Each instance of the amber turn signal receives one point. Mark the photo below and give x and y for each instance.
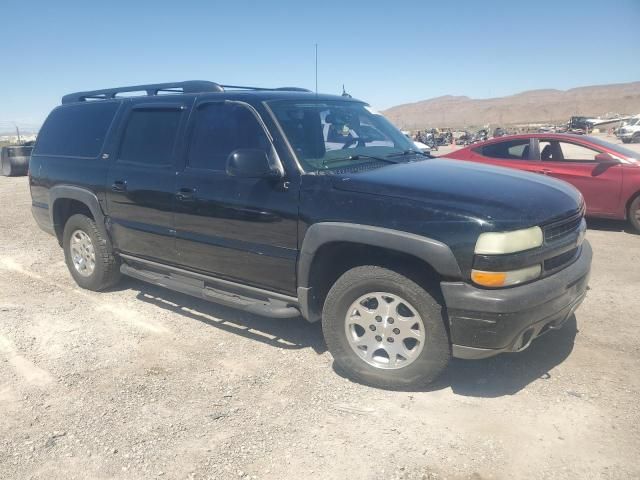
(488, 279)
(505, 279)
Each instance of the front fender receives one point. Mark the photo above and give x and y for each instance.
(433, 252)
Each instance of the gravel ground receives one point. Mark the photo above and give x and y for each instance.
(141, 382)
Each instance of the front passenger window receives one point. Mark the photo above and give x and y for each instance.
(555, 151)
(219, 129)
(571, 151)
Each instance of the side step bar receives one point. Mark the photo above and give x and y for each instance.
(252, 300)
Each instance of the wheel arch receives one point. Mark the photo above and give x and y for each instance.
(627, 206)
(66, 200)
(331, 248)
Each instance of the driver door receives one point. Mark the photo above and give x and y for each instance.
(240, 229)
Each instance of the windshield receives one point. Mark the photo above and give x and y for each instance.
(633, 121)
(329, 135)
(625, 152)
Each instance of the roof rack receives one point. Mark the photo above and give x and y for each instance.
(279, 89)
(191, 86)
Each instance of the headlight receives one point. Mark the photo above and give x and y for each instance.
(505, 279)
(498, 243)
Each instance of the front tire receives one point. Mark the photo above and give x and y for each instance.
(634, 214)
(385, 330)
(88, 255)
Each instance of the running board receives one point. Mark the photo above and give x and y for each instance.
(198, 286)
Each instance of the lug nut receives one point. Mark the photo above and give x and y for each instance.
(396, 331)
(378, 318)
(378, 338)
(372, 328)
(390, 339)
(390, 320)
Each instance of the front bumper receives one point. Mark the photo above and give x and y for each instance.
(484, 322)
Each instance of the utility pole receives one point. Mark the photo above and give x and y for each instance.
(18, 132)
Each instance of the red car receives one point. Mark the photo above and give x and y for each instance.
(607, 175)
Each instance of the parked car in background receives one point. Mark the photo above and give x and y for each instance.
(579, 125)
(630, 131)
(14, 160)
(480, 136)
(464, 139)
(499, 132)
(608, 175)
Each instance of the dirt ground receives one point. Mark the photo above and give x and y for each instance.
(141, 382)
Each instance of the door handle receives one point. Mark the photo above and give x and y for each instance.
(119, 186)
(185, 194)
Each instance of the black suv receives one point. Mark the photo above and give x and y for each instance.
(286, 203)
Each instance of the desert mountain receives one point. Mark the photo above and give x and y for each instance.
(534, 106)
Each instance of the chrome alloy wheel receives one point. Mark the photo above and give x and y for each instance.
(83, 254)
(384, 330)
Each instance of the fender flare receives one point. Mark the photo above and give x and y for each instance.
(81, 195)
(433, 252)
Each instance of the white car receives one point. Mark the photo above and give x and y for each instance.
(422, 146)
(630, 131)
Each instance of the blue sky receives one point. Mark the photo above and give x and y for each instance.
(386, 53)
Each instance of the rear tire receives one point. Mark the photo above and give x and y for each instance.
(636, 137)
(89, 255)
(634, 214)
(385, 330)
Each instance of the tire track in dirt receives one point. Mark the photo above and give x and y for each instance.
(119, 313)
(28, 370)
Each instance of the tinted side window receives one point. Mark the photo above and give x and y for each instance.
(76, 130)
(510, 150)
(220, 129)
(150, 136)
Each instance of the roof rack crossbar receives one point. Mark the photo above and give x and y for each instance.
(191, 86)
(279, 89)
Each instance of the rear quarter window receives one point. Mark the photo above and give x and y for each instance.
(510, 150)
(76, 130)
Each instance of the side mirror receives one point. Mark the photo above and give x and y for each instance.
(250, 163)
(606, 159)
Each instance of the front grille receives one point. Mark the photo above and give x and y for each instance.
(561, 260)
(561, 228)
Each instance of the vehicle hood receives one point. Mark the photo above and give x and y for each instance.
(497, 198)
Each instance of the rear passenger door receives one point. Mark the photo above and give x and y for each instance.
(240, 229)
(141, 178)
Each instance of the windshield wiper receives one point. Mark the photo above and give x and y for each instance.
(409, 152)
(356, 157)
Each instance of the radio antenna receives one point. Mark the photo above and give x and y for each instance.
(316, 69)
